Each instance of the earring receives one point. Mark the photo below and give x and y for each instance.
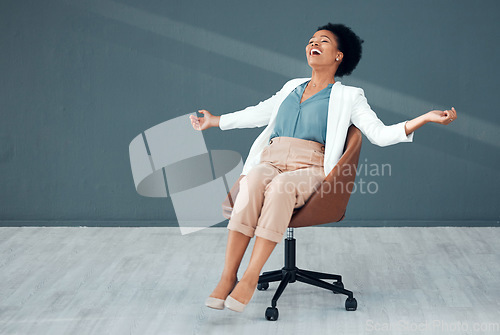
(337, 59)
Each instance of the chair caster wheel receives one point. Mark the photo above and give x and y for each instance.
(339, 284)
(351, 304)
(272, 314)
(262, 286)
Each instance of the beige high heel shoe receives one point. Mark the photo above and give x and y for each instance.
(217, 303)
(234, 304)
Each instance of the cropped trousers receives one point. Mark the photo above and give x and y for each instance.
(289, 172)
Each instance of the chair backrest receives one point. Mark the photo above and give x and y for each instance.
(329, 202)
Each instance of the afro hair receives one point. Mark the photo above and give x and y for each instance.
(349, 44)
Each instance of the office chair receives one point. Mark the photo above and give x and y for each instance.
(326, 204)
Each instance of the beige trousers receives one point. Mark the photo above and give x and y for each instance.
(289, 171)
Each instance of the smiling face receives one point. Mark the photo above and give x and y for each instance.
(322, 50)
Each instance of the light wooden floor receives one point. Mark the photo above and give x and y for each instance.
(155, 281)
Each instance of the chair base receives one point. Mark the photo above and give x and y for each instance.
(290, 273)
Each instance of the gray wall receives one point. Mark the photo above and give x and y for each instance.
(80, 79)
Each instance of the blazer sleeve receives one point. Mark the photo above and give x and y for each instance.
(364, 118)
(250, 117)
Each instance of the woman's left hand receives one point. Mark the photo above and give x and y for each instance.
(442, 117)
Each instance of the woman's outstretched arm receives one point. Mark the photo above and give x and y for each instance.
(437, 116)
(250, 117)
(378, 133)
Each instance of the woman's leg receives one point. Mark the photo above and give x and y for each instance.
(237, 244)
(244, 216)
(250, 197)
(286, 191)
(262, 249)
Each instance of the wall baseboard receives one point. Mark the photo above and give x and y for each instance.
(159, 223)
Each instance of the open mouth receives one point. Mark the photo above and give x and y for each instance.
(315, 52)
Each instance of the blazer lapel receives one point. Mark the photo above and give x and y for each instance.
(334, 112)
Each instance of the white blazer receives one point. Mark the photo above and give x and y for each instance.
(347, 105)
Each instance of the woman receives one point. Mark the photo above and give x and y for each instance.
(295, 152)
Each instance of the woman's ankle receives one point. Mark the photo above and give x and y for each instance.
(251, 277)
(230, 276)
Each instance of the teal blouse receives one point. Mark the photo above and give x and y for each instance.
(306, 120)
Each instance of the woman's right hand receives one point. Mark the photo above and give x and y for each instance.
(202, 123)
